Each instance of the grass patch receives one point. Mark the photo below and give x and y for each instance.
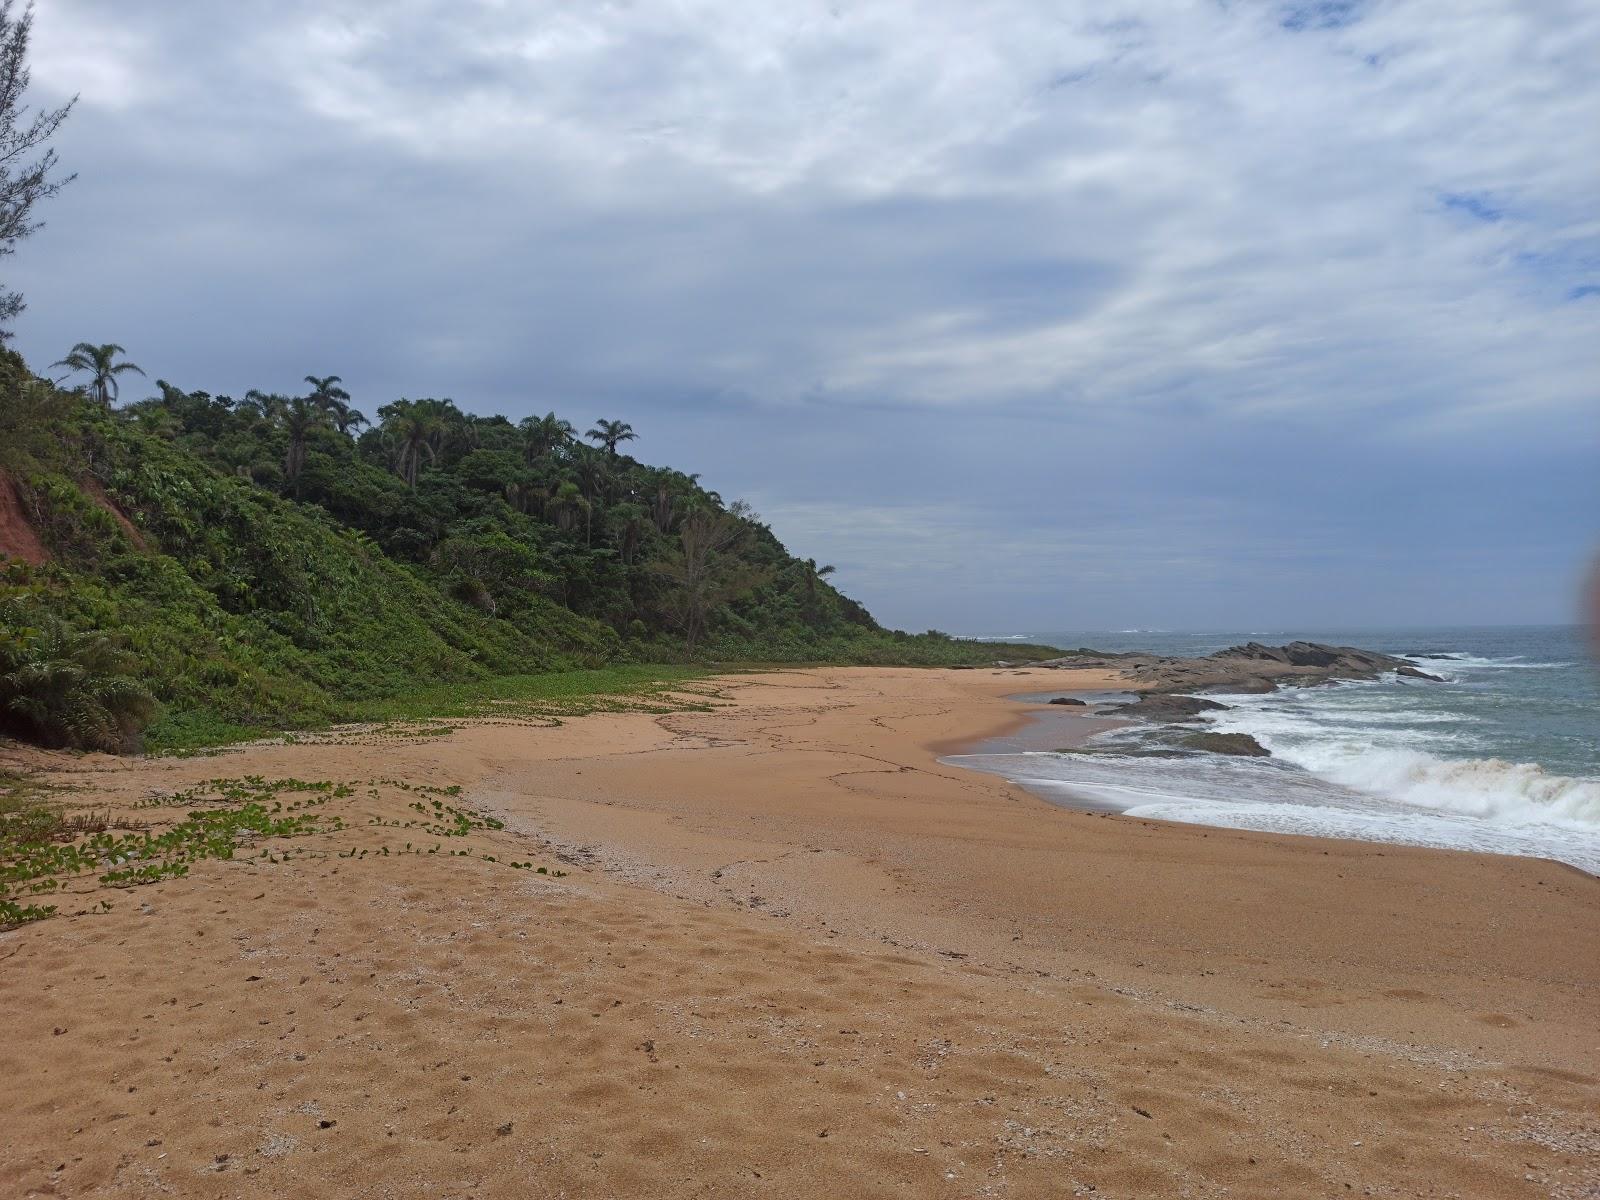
(547, 697)
(623, 688)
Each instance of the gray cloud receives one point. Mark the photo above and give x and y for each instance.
(1262, 311)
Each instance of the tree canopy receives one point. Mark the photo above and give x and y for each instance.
(248, 562)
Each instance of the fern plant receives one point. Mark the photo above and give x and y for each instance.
(64, 689)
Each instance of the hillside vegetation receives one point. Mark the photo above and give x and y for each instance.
(192, 568)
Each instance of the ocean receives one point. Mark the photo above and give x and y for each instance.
(1503, 756)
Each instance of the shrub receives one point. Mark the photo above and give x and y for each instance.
(65, 689)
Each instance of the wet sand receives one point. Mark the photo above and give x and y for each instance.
(796, 955)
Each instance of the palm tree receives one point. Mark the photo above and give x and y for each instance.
(592, 471)
(525, 495)
(628, 524)
(99, 362)
(671, 486)
(416, 429)
(610, 434)
(569, 504)
(297, 416)
(811, 576)
(327, 395)
(325, 389)
(541, 435)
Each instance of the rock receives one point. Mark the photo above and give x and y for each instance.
(1241, 744)
(1157, 706)
(1413, 673)
(1254, 685)
(1310, 654)
(1252, 667)
(1073, 700)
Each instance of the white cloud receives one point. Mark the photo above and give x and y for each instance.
(1340, 225)
(1273, 195)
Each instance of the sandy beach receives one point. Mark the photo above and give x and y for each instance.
(792, 954)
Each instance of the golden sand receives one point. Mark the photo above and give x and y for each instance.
(794, 956)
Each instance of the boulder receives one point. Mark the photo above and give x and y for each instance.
(1161, 707)
(1413, 673)
(1241, 744)
(1073, 700)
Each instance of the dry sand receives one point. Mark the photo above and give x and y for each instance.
(796, 956)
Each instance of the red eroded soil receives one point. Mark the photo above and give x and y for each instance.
(17, 538)
(97, 493)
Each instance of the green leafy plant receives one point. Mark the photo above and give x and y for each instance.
(63, 688)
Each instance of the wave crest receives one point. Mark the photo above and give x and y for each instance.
(1488, 788)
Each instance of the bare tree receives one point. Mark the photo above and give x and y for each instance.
(24, 180)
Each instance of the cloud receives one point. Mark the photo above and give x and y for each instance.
(1184, 228)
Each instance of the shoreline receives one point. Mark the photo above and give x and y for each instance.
(1023, 713)
(1039, 728)
(788, 906)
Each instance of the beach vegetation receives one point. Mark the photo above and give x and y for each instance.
(54, 860)
(65, 687)
(216, 569)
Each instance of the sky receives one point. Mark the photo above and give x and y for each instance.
(1026, 316)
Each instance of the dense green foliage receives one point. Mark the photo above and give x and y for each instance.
(265, 563)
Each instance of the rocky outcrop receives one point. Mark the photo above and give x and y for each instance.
(1252, 667)
(1157, 706)
(1241, 744)
(1072, 700)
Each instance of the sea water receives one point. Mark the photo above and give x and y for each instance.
(1503, 755)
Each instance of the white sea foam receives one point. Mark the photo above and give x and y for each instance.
(1380, 749)
(1273, 796)
(1401, 828)
(1488, 788)
(1514, 662)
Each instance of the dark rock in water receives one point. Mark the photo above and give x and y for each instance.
(1073, 700)
(1160, 707)
(1251, 667)
(1413, 673)
(1249, 685)
(1431, 654)
(1241, 744)
(1310, 654)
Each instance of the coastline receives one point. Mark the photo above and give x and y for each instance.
(1022, 714)
(1314, 777)
(1037, 726)
(816, 927)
